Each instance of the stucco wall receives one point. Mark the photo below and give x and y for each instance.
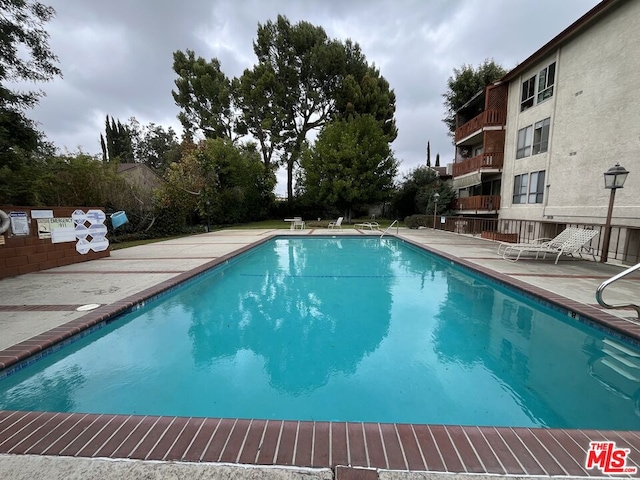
(595, 122)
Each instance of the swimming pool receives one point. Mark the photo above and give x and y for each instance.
(342, 329)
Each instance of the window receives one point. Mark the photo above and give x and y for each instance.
(528, 188)
(541, 136)
(545, 80)
(540, 141)
(524, 142)
(528, 93)
(536, 190)
(520, 188)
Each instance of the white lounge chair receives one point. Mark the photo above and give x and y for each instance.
(369, 225)
(541, 242)
(568, 242)
(337, 223)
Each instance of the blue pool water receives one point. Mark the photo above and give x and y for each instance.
(343, 329)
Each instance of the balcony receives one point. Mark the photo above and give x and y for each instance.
(479, 203)
(475, 164)
(488, 118)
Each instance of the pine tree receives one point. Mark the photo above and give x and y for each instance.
(437, 159)
(118, 142)
(428, 154)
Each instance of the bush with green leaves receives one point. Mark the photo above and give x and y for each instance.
(415, 221)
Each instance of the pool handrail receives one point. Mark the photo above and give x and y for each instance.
(613, 279)
(387, 229)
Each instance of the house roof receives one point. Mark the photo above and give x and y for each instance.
(573, 30)
(123, 167)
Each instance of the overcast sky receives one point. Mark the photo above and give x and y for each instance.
(116, 56)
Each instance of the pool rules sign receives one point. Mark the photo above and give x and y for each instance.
(90, 230)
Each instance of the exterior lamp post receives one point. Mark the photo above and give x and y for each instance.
(208, 226)
(436, 196)
(614, 178)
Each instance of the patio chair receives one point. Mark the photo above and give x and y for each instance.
(568, 242)
(369, 225)
(337, 223)
(557, 240)
(298, 223)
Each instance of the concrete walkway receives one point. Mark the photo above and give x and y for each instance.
(34, 303)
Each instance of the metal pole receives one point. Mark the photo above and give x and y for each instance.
(604, 255)
(435, 210)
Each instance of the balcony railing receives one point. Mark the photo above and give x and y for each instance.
(479, 203)
(485, 119)
(477, 163)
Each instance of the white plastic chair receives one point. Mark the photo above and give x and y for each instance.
(337, 223)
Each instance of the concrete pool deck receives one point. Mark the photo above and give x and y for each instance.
(43, 305)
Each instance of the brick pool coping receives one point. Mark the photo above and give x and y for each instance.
(411, 447)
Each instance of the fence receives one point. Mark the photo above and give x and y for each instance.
(624, 245)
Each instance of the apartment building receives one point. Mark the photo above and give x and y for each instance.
(573, 112)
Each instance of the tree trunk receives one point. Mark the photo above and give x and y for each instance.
(290, 163)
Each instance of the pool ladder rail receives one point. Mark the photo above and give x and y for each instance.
(613, 279)
(395, 222)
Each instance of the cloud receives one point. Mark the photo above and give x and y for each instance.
(116, 56)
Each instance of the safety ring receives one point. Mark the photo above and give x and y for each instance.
(4, 222)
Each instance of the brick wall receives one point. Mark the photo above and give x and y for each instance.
(26, 254)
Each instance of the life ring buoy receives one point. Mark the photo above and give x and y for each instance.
(5, 222)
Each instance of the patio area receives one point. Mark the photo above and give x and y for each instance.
(40, 309)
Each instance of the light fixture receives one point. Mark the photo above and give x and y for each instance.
(614, 178)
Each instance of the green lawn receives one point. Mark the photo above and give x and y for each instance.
(384, 223)
(264, 224)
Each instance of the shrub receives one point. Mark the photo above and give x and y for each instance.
(415, 221)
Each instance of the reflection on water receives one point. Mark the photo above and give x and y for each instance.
(53, 391)
(300, 314)
(563, 373)
(343, 329)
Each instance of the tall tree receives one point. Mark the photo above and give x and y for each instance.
(437, 159)
(307, 66)
(24, 56)
(154, 146)
(428, 154)
(204, 96)
(256, 95)
(350, 164)
(465, 82)
(117, 142)
(364, 91)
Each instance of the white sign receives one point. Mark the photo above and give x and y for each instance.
(44, 228)
(19, 223)
(90, 231)
(41, 213)
(62, 230)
